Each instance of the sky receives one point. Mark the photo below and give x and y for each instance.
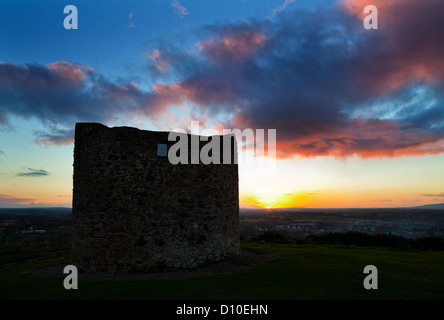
(358, 113)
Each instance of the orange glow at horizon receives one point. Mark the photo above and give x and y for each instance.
(273, 201)
(336, 199)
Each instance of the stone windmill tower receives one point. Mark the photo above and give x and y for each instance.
(134, 211)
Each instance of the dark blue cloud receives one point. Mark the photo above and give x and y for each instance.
(33, 173)
(62, 93)
(432, 195)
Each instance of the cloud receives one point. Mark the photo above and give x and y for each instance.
(235, 45)
(130, 17)
(33, 173)
(10, 200)
(161, 59)
(432, 195)
(419, 59)
(179, 9)
(329, 87)
(282, 7)
(57, 136)
(62, 93)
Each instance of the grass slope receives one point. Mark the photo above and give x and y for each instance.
(300, 272)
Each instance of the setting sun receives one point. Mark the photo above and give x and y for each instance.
(275, 201)
(266, 203)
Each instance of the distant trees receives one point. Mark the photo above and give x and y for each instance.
(271, 237)
(352, 238)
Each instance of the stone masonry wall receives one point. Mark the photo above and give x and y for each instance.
(134, 211)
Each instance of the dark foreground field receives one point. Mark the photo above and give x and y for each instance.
(299, 272)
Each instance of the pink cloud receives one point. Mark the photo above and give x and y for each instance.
(121, 93)
(160, 59)
(364, 138)
(201, 92)
(62, 93)
(59, 74)
(169, 94)
(54, 140)
(410, 51)
(10, 200)
(237, 45)
(179, 9)
(68, 72)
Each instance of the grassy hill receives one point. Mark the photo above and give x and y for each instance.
(300, 272)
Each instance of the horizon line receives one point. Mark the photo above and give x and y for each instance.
(249, 208)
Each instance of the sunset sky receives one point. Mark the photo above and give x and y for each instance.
(359, 114)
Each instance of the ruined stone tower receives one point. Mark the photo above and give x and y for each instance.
(134, 211)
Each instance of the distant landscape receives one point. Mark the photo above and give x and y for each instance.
(303, 242)
(35, 224)
(53, 224)
(298, 223)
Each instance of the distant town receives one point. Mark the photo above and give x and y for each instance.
(299, 223)
(54, 224)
